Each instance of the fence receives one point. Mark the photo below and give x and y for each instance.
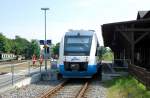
(141, 74)
(15, 71)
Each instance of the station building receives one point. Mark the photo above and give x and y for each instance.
(130, 40)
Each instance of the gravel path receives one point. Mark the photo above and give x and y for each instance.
(95, 90)
(30, 91)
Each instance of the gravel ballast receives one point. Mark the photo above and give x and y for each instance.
(30, 91)
(95, 90)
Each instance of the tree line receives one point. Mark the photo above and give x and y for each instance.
(19, 46)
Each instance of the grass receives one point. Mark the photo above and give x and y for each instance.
(24, 66)
(126, 87)
(17, 67)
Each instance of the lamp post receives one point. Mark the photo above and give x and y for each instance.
(45, 43)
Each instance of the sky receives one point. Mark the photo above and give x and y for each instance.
(26, 19)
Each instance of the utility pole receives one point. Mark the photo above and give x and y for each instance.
(45, 43)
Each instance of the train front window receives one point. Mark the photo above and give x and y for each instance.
(77, 45)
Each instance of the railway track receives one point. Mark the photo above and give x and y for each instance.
(59, 89)
(68, 89)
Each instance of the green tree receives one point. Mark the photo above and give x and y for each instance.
(2, 40)
(105, 53)
(4, 44)
(55, 49)
(102, 51)
(21, 46)
(35, 48)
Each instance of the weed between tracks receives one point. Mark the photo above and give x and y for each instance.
(126, 87)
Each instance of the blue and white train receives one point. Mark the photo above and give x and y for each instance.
(78, 54)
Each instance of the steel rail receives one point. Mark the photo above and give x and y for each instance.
(47, 94)
(82, 91)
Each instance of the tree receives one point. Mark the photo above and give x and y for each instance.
(55, 49)
(35, 48)
(4, 44)
(20, 46)
(102, 51)
(2, 39)
(105, 53)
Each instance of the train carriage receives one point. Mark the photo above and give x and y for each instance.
(7, 56)
(78, 54)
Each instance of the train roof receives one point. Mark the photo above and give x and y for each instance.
(80, 32)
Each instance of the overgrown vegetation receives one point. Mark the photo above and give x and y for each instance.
(19, 46)
(105, 54)
(126, 87)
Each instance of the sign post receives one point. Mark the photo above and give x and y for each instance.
(12, 71)
(41, 61)
(28, 68)
(46, 44)
(45, 57)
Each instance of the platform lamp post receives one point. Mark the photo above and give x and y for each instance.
(45, 43)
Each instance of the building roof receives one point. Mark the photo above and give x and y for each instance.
(143, 15)
(138, 26)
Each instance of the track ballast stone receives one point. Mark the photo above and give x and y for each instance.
(95, 90)
(30, 91)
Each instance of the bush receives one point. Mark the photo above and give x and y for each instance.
(126, 87)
